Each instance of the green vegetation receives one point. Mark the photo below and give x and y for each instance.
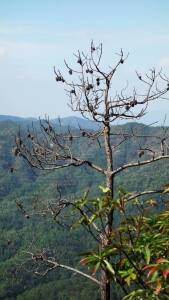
(26, 187)
(136, 245)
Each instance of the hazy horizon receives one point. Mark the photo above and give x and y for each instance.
(156, 118)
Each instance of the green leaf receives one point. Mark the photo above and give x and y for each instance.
(130, 296)
(127, 279)
(91, 260)
(92, 218)
(95, 268)
(104, 189)
(133, 276)
(85, 194)
(83, 220)
(135, 295)
(166, 191)
(109, 251)
(148, 254)
(109, 266)
(77, 204)
(100, 204)
(122, 191)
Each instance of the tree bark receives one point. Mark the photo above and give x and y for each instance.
(105, 286)
(105, 282)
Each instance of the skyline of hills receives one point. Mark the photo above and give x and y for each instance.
(72, 121)
(155, 118)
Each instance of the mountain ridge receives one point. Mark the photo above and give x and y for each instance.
(72, 121)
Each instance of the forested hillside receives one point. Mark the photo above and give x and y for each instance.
(25, 187)
(73, 122)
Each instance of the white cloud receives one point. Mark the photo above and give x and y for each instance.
(164, 62)
(2, 51)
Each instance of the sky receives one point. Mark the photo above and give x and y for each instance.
(37, 35)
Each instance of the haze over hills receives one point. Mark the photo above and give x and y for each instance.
(156, 118)
(14, 118)
(73, 122)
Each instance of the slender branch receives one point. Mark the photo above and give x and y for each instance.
(139, 163)
(143, 193)
(57, 265)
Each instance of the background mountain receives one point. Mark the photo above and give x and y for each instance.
(25, 187)
(73, 122)
(14, 118)
(157, 118)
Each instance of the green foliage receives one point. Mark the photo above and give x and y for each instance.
(70, 289)
(138, 244)
(26, 187)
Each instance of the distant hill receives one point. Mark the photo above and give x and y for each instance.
(73, 122)
(155, 118)
(15, 119)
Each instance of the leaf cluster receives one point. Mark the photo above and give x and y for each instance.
(136, 250)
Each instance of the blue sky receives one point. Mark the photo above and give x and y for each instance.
(37, 35)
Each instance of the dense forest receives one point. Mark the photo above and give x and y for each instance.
(26, 187)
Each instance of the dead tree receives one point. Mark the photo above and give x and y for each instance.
(90, 95)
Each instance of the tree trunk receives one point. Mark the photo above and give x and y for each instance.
(105, 286)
